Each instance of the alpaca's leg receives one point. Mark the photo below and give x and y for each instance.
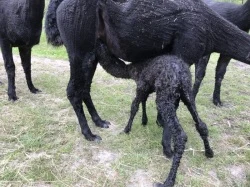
(200, 71)
(166, 141)
(10, 68)
(87, 97)
(78, 77)
(201, 127)
(144, 113)
(167, 109)
(141, 94)
(220, 72)
(25, 54)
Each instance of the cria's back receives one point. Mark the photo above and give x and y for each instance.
(161, 71)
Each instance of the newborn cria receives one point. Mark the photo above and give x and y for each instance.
(170, 78)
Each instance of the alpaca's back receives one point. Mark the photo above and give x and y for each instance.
(21, 21)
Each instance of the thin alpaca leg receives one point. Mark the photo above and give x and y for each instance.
(168, 111)
(200, 72)
(201, 127)
(141, 94)
(144, 113)
(220, 72)
(75, 91)
(10, 68)
(91, 67)
(25, 54)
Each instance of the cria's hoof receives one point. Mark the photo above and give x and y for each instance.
(168, 153)
(144, 122)
(217, 102)
(103, 124)
(127, 130)
(94, 138)
(158, 185)
(35, 91)
(209, 153)
(13, 98)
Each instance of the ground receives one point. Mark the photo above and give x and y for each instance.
(41, 143)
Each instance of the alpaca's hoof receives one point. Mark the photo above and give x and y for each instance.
(144, 121)
(35, 90)
(209, 153)
(168, 153)
(103, 124)
(127, 130)
(217, 102)
(13, 98)
(157, 184)
(93, 137)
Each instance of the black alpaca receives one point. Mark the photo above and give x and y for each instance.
(170, 78)
(21, 26)
(135, 30)
(239, 15)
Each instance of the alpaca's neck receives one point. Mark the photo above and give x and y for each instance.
(231, 41)
(114, 66)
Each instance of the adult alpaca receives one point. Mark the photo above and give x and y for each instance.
(21, 26)
(170, 78)
(239, 15)
(186, 28)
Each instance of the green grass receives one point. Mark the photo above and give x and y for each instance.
(41, 143)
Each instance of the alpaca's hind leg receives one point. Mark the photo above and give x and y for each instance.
(10, 68)
(201, 127)
(168, 111)
(200, 71)
(141, 94)
(75, 91)
(25, 54)
(90, 69)
(219, 76)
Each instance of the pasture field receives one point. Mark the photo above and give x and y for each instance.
(41, 143)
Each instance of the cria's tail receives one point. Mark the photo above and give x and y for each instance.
(51, 28)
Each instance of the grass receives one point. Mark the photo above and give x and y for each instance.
(41, 143)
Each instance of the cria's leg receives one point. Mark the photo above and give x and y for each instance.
(10, 68)
(220, 72)
(141, 95)
(25, 54)
(168, 111)
(200, 71)
(144, 112)
(201, 127)
(91, 67)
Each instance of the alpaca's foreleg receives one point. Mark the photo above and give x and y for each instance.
(200, 72)
(219, 76)
(25, 54)
(141, 95)
(10, 68)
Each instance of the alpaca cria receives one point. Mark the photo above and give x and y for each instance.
(135, 30)
(21, 26)
(170, 78)
(239, 15)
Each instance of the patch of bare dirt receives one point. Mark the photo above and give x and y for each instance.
(140, 178)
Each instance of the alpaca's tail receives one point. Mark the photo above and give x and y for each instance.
(51, 28)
